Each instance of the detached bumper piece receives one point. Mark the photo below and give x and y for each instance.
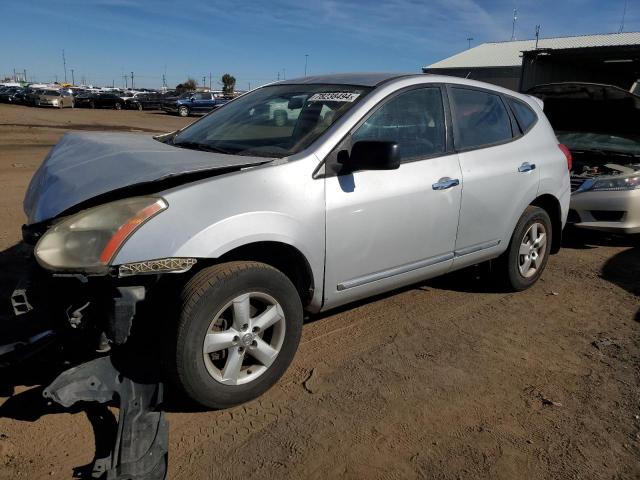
(140, 441)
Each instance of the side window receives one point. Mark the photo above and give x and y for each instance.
(523, 113)
(414, 120)
(199, 96)
(480, 119)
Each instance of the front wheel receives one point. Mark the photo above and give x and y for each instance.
(183, 111)
(239, 328)
(140, 107)
(118, 106)
(529, 248)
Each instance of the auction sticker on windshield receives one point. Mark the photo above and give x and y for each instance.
(334, 97)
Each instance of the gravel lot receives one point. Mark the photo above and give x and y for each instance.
(447, 379)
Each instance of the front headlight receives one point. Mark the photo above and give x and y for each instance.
(616, 183)
(89, 240)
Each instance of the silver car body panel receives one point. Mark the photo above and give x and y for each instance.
(365, 233)
(85, 165)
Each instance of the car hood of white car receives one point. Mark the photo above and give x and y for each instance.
(83, 166)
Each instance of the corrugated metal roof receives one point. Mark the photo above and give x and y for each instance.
(508, 54)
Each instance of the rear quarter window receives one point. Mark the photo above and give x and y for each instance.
(480, 119)
(525, 116)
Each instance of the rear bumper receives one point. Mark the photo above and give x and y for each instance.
(617, 212)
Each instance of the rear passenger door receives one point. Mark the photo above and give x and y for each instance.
(498, 172)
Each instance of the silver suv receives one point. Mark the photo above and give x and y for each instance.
(299, 196)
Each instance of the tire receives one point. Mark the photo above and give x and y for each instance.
(183, 111)
(140, 107)
(73, 104)
(528, 252)
(118, 106)
(92, 105)
(210, 303)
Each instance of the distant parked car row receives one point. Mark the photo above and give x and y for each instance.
(184, 104)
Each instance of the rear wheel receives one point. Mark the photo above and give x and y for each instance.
(118, 106)
(183, 111)
(528, 252)
(239, 328)
(140, 107)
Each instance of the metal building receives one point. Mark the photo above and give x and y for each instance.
(519, 65)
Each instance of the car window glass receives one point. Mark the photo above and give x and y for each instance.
(480, 118)
(414, 120)
(523, 113)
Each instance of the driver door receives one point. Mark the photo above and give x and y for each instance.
(389, 228)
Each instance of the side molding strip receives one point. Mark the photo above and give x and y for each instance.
(477, 248)
(372, 277)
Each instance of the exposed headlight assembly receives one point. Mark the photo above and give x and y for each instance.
(88, 241)
(616, 183)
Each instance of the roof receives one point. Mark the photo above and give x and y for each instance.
(361, 79)
(508, 54)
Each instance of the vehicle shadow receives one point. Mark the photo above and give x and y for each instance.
(623, 270)
(578, 239)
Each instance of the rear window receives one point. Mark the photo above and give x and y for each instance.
(524, 115)
(480, 119)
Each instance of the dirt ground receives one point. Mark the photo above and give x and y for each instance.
(447, 379)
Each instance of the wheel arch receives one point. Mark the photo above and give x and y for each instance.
(282, 256)
(551, 205)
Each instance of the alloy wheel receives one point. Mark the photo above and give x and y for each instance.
(244, 338)
(532, 250)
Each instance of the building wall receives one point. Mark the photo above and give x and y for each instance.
(508, 77)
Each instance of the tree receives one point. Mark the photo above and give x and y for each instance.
(188, 86)
(228, 84)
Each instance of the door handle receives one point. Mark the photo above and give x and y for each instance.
(526, 167)
(445, 183)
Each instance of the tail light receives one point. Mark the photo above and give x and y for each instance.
(567, 154)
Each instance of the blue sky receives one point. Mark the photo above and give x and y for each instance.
(256, 40)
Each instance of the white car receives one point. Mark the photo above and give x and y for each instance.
(600, 124)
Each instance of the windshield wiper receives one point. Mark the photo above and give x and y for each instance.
(202, 147)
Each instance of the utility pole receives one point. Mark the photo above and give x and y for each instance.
(209, 81)
(25, 75)
(15, 79)
(73, 81)
(64, 64)
(278, 75)
(469, 40)
(513, 28)
(306, 61)
(132, 80)
(624, 15)
(249, 86)
(126, 85)
(204, 82)
(537, 35)
(55, 77)
(284, 74)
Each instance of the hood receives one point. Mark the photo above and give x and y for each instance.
(590, 108)
(85, 165)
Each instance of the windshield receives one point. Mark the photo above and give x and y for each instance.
(275, 121)
(624, 144)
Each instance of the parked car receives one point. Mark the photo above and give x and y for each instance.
(145, 101)
(9, 94)
(233, 226)
(54, 98)
(196, 102)
(600, 124)
(29, 96)
(99, 100)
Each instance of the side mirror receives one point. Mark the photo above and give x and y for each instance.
(370, 155)
(193, 99)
